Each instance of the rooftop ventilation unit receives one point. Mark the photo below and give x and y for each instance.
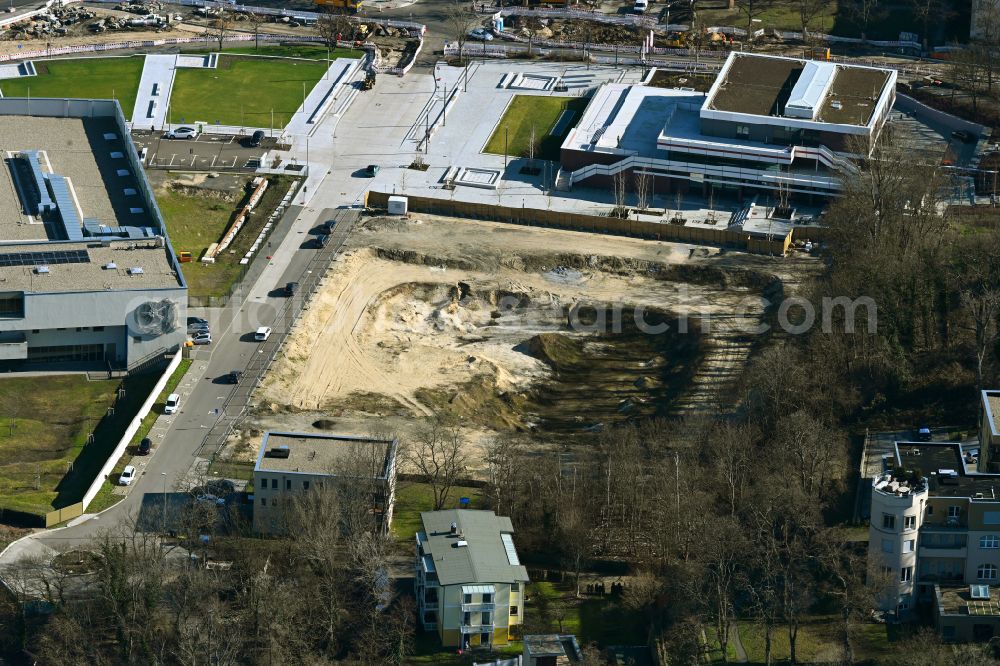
(111, 266)
(135, 211)
(135, 270)
(461, 544)
(122, 172)
(116, 155)
(130, 191)
(278, 452)
(41, 270)
(110, 136)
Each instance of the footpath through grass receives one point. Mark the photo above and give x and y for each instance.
(541, 113)
(97, 78)
(310, 51)
(45, 461)
(244, 91)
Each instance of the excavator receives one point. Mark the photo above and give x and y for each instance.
(340, 6)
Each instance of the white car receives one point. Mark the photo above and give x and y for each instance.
(262, 334)
(182, 133)
(127, 475)
(173, 404)
(482, 34)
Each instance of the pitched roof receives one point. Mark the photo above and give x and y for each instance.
(484, 559)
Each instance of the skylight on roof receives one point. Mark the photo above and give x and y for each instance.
(508, 544)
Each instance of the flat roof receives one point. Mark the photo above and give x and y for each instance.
(78, 149)
(761, 85)
(483, 559)
(552, 645)
(87, 268)
(931, 457)
(323, 454)
(957, 600)
(991, 400)
(629, 118)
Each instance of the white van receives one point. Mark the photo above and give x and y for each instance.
(262, 334)
(173, 404)
(640, 6)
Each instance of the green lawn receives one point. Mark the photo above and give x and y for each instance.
(541, 113)
(243, 91)
(412, 498)
(819, 640)
(45, 462)
(782, 17)
(99, 78)
(195, 221)
(551, 608)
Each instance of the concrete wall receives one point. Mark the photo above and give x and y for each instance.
(952, 123)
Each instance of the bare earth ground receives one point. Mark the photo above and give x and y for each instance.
(435, 314)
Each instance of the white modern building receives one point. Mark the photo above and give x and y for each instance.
(767, 123)
(87, 274)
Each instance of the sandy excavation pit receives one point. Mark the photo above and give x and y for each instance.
(436, 315)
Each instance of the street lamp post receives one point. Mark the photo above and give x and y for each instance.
(163, 524)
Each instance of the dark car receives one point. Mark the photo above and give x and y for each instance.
(256, 138)
(321, 240)
(291, 288)
(328, 226)
(145, 446)
(234, 376)
(924, 434)
(372, 170)
(197, 321)
(965, 136)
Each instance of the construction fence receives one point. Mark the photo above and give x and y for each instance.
(774, 244)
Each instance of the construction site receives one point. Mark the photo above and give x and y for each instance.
(511, 329)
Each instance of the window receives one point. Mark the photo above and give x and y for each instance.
(484, 638)
(989, 541)
(98, 328)
(908, 545)
(954, 511)
(263, 483)
(906, 574)
(486, 618)
(263, 501)
(888, 521)
(487, 598)
(466, 618)
(513, 610)
(274, 484)
(467, 599)
(986, 572)
(288, 484)
(909, 522)
(305, 485)
(904, 603)
(930, 509)
(743, 131)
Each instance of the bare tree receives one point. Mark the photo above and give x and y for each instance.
(643, 185)
(808, 10)
(752, 10)
(332, 25)
(256, 20)
(619, 191)
(926, 12)
(436, 453)
(461, 20)
(220, 26)
(863, 12)
(978, 275)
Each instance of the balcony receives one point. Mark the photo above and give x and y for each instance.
(476, 628)
(957, 552)
(478, 608)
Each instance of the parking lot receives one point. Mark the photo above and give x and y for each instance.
(208, 152)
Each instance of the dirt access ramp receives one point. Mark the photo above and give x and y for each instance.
(476, 319)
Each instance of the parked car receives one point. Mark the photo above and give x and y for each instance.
(321, 240)
(182, 133)
(196, 320)
(256, 138)
(234, 376)
(640, 6)
(262, 333)
(197, 328)
(128, 474)
(372, 169)
(202, 339)
(482, 34)
(173, 404)
(924, 434)
(145, 446)
(965, 136)
(291, 288)
(328, 226)
(208, 497)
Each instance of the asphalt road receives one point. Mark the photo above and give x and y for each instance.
(204, 153)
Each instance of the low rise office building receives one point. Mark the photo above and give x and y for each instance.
(469, 581)
(290, 463)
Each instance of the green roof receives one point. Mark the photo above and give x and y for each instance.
(484, 557)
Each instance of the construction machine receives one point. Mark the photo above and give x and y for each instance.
(369, 80)
(341, 6)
